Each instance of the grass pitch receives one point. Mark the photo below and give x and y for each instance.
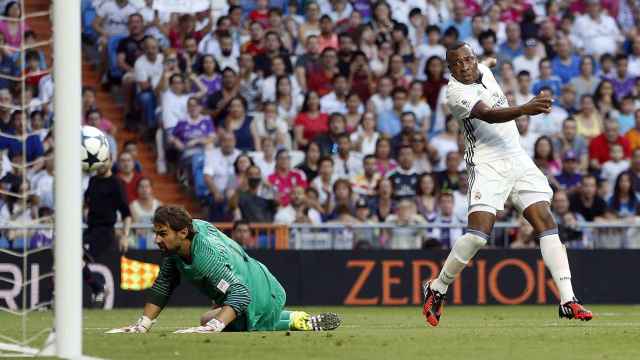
(465, 332)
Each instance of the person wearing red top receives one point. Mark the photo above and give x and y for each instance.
(128, 176)
(310, 122)
(261, 13)
(255, 45)
(327, 38)
(186, 27)
(600, 146)
(434, 69)
(320, 78)
(285, 179)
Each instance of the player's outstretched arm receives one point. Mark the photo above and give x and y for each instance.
(538, 105)
(144, 323)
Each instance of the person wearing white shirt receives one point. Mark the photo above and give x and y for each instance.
(219, 171)
(347, 163)
(431, 48)
(530, 60)
(297, 211)
(150, 16)
(268, 84)
(112, 18)
(523, 94)
(418, 106)
(527, 138)
(381, 101)
(336, 101)
(401, 9)
(597, 30)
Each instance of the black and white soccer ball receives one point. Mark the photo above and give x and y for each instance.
(95, 149)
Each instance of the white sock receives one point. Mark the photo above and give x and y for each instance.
(554, 255)
(463, 250)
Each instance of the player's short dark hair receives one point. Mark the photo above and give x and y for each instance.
(487, 34)
(455, 46)
(175, 217)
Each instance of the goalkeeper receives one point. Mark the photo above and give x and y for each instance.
(248, 296)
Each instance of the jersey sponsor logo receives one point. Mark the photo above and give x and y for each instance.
(223, 286)
(477, 195)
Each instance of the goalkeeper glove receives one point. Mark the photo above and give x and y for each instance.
(213, 326)
(141, 326)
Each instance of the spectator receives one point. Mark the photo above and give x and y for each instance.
(219, 174)
(354, 112)
(418, 106)
(613, 167)
(217, 104)
(346, 162)
(366, 136)
(622, 82)
(586, 82)
(128, 51)
(336, 100)
(311, 25)
(297, 210)
(569, 178)
(427, 195)
(42, 183)
(424, 52)
(449, 178)
(566, 219)
(148, 70)
(513, 46)
(367, 238)
(445, 236)
(265, 160)
(566, 64)
(523, 93)
(311, 122)
(382, 100)
(185, 28)
(19, 141)
(8, 66)
(111, 20)
(241, 233)
(398, 72)
(389, 121)
(570, 140)
(325, 180)
(549, 124)
(310, 165)
(241, 124)
(364, 184)
(13, 30)
(407, 130)
(529, 60)
(256, 204)
(588, 120)
(342, 199)
(193, 134)
(277, 69)
(142, 210)
(568, 99)
(289, 104)
(403, 235)
(527, 138)
(625, 116)
(547, 79)
(544, 158)
(209, 75)
(605, 100)
(586, 202)
(436, 80)
(633, 135)
(460, 20)
(600, 146)
(524, 237)
(623, 203)
(404, 178)
(128, 176)
(446, 142)
(597, 30)
(285, 179)
(319, 78)
(270, 125)
(329, 141)
(423, 152)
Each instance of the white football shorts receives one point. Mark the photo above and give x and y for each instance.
(491, 184)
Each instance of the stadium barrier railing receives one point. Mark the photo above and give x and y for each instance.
(583, 235)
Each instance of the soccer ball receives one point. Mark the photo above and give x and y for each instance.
(95, 149)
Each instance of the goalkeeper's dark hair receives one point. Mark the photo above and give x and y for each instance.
(176, 217)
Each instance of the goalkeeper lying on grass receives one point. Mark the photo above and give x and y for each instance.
(251, 298)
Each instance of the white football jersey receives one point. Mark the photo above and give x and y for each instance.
(484, 142)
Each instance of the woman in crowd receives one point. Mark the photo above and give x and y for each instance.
(267, 124)
(382, 205)
(354, 112)
(586, 82)
(142, 210)
(366, 137)
(209, 76)
(310, 164)
(544, 158)
(240, 124)
(434, 69)
(288, 104)
(423, 153)
(384, 162)
(311, 24)
(605, 100)
(588, 121)
(427, 196)
(623, 203)
(310, 122)
(13, 29)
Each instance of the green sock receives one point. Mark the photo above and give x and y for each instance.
(283, 324)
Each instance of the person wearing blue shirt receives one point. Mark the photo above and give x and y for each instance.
(513, 46)
(460, 21)
(566, 64)
(389, 121)
(547, 79)
(34, 149)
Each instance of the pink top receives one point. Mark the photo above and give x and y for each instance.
(12, 39)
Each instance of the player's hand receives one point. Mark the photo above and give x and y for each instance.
(489, 62)
(143, 325)
(196, 330)
(538, 105)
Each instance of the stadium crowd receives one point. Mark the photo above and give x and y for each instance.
(333, 111)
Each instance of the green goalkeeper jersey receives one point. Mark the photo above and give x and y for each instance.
(223, 271)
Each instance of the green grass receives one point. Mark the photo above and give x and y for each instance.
(465, 332)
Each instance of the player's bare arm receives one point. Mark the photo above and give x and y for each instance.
(541, 104)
